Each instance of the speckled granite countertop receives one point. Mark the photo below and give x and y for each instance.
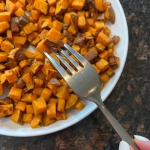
(129, 102)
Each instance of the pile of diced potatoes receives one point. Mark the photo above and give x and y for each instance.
(38, 95)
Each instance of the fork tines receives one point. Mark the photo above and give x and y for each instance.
(72, 68)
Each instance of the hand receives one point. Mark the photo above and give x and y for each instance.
(142, 142)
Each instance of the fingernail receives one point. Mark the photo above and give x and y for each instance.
(124, 146)
(141, 138)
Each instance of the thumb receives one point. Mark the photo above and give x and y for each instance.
(142, 142)
(124, 146)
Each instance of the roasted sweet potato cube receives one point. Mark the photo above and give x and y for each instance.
(15, 94)
(61, 105)
(71, 101)
(104, 54)
(57, 25)
(6, 110)
(99, 5)
(36, 66)
(79, 105)
(17, 116)
(42, 47)
(67, 17)
(27, 118)
(4, 16)
(41, 5)
(46, 93)
(38, 90)
(2, 7)
(63, 92)
(110, 72)
(19, 12)
(53, 87)
(38, 82)
(54, 35)
(102, 65)
(104, 77)
(78, 4)
(36, 121)
(39, 56)
(28, 97)
(19, 39)
(39, 106)
(35, 14)
(21, 106)
(1, 89)
(28, 28)
(27, 78)
(82, 22)
(99, 25)
(103, 39)
(47, 120)
(51, 100)
(61, 115)
(6, 46)
(61, 7)
(32, 36)
(29, 109)
(24, 63)
(51, 110)
(3, 57)
(11, 76)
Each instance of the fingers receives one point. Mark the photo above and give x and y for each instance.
(142, 142)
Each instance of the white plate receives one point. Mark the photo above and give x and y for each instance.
(7, 127)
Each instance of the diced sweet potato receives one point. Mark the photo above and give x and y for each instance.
(39, 106)
(27, 118)
(104, 77)
(78, 4)
(1, 89)
(10, 6)
(19, 39)
(36, 121)
(7, 46)
(38, 82)
(38, 90)
(10, 76)
(2, 7)
(102, 64)
(57, 25)
(41, 47)
(61, 105)
(82, 22)
(17, 116)
(27, 78)
(61, 7)
(21, 106)
(41, 5)
(19, 12)
(103, 39)
(61, 115)
(29, 109)
(4, 16)
(52, 2)
(47, 120)
(36, 66)
(46, 93)
(29, 28)
(4, 26)
(15, 94)
(54, 36)
(99, 25)
(51, 110)
(3, 56)
(79, 105)
(71, 101)
(99, 5)
(28, 97)
(6, 110)
(63, 92)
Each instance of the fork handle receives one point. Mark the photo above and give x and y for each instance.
(118, 128)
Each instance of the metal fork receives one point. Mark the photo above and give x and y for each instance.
(85, 82)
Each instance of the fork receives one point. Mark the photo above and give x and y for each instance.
(85, 82)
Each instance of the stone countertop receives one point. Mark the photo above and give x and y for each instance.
(129, 102)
